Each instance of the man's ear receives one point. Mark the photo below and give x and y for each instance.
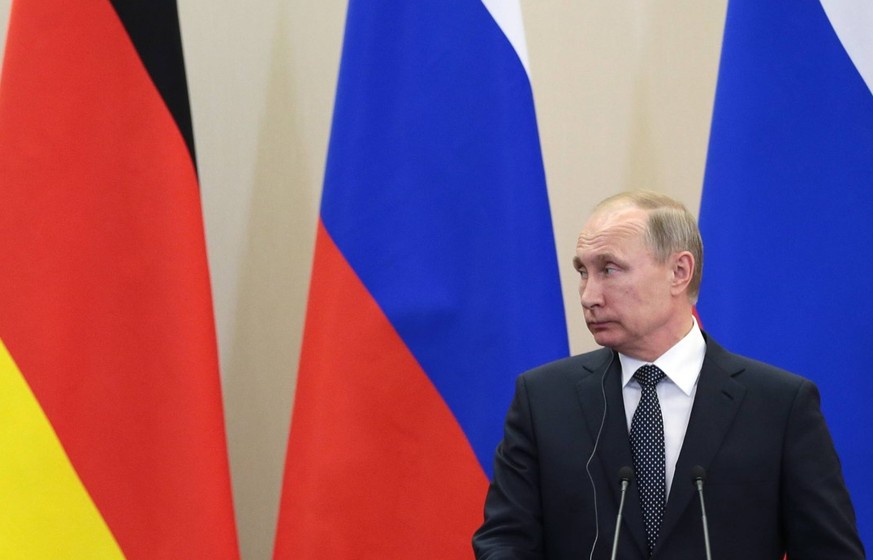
(682, 268)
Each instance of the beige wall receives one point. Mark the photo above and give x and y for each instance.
(624, 92)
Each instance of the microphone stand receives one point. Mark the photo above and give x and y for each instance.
(699, 475)
(625, 475)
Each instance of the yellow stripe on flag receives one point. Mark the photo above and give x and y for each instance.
(46, 511)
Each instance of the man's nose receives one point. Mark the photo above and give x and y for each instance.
(590, 293)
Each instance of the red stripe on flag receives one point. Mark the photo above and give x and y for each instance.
(104, 298)
(377, 466)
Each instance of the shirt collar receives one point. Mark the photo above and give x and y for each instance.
(681, 363)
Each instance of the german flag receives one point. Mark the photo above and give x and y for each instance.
(111, 425)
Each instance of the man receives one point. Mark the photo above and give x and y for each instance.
(664, 401)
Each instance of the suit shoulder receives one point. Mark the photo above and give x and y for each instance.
(569, 369)
(753, 372)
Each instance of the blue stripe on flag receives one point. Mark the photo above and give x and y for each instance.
(435, 193)
(786, 215)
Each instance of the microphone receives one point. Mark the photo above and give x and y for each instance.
(698, 475)
(625, 475)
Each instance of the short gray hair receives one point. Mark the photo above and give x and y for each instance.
(670, 229)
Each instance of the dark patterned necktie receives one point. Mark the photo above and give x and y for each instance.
(647, 445)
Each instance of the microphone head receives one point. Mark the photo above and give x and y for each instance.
(625, 473)
(698, 473)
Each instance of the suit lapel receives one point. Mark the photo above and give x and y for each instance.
(613, 447)
(716, 403)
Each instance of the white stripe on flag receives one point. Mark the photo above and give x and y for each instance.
(853, 22)
(507, 14)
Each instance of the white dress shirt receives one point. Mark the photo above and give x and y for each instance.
(681, 364)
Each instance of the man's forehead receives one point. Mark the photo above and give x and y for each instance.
(613, 225)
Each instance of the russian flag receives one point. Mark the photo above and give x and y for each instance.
(435, 283)
(787, 207)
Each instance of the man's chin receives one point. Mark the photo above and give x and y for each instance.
(604, 336)
(607, 334)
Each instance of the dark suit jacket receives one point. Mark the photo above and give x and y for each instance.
(773, 484)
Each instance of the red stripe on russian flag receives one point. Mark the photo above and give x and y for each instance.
(378, 467)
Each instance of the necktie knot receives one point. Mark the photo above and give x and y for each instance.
(649, 375)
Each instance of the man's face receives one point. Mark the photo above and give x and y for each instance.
(625, 293)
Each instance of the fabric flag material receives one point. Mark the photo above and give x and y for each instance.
(111, 424)
(786, 214)
(435, 283)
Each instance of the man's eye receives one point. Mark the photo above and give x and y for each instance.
(610, 270)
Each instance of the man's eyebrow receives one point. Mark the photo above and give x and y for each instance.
(600, 258)
(606, 257)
